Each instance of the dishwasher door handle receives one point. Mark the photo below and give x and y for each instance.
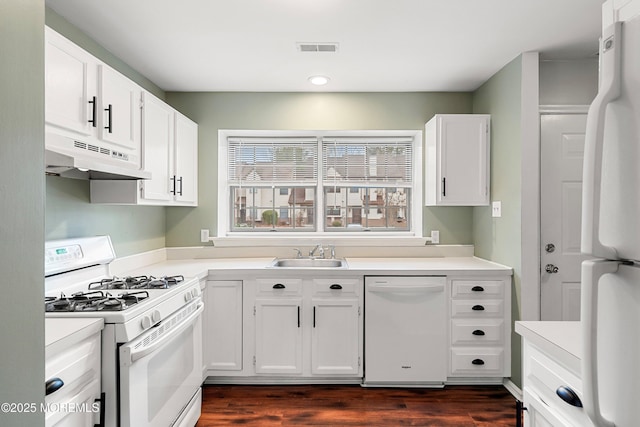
(404, 289)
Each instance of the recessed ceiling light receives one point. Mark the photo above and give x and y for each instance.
(319, 80)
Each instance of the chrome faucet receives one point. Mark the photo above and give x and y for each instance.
(318, 248)
(299, 254)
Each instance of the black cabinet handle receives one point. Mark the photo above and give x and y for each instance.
(335, 286)
(280, 286)
(298, 316)
(444, 187)
(109, 121)
(173, 185)
(478, 332)
(180, 181)
(101, 400)
(477, 289)
(477, 308)
(53, 385)
(314, 316)
(94, 111)
(565, 393)
(477, 362)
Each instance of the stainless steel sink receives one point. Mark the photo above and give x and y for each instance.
(309, 263)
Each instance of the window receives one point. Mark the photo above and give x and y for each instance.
(320, 182)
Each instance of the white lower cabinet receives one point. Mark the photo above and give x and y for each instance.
(335, 336)
(308, 328)
(222, 327)
(72, 369)
(480, 329)
(278, 333)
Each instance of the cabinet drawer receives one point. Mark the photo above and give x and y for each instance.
(477, 288)
(477, 332)
(76, 366)
(274, 287)
(337, 287)
(544, 377)
(475, 308)
(479, 362)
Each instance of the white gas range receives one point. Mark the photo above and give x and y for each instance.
(152, 339)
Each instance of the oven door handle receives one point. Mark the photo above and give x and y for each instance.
(170, 335)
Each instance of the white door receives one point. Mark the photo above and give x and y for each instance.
(561, 156)
(278, 336)
(335, 339)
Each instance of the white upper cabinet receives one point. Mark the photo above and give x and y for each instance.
(169, 152)
(186, 160)
(120, 108)
(457, 160)
(93, 110)
(70, 81)
(157, 154)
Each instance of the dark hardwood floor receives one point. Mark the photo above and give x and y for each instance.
(328, 405)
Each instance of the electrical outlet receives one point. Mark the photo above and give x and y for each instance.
(435, 237)
(204, 235)
(496, 209)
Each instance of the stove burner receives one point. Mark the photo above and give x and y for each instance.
(94, 301)
(136, 282)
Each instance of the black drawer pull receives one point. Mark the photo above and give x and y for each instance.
(478, 332)
(565, 393)
(278, 286)
(477, 362)
(477, 308)
(477, 289)
(53, 385)
(335, 286)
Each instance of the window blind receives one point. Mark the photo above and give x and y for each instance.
(272, 161)
(368, 161)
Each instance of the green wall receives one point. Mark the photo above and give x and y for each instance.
(306, 111)
(22, 206)
(499, 239)
(133, 229)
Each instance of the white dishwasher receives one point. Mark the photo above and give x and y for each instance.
(405, 331)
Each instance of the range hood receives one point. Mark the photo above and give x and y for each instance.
(69, 158)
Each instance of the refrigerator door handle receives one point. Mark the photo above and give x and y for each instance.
(592, 271)
(610, 52)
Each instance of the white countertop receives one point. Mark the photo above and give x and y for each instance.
(201, 268)
(61, 333)
(564, 337)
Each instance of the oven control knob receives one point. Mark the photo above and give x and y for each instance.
(187, 297)
(146, 322)
(155, 316)
(194, 293)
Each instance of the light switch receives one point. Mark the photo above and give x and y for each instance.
(204, 235)
(496, 209)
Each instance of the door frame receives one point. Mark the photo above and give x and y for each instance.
(536, 216)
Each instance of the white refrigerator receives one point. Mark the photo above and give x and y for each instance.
(610, 305)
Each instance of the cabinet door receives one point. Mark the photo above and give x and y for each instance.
(278, 328)
(157, 134)
(335, 338)
(457, 160)
(538, 414)
(223, 325)
(463, 160)
(70, 85)
(186, 160)
(120, 99)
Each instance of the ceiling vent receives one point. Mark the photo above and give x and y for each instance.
(317, 47)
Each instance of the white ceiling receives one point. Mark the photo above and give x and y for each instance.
(384, 45)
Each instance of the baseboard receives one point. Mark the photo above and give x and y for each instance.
(512, 388)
